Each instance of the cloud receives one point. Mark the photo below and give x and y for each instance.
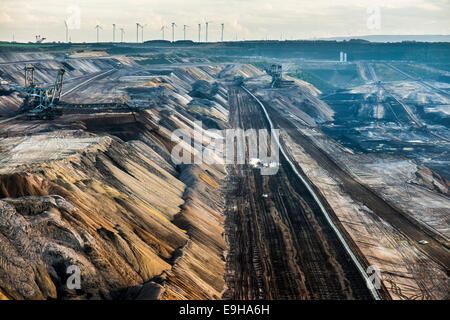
(5, 18)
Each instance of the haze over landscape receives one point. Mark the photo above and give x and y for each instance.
(250, 19)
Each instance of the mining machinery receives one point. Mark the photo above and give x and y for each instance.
(42, 102)
(276, 71)
(40, 39)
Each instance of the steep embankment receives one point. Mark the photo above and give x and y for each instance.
(112, 209)
(99, 191)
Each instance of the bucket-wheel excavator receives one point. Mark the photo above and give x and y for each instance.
(42, 102)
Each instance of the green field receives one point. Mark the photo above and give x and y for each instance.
(418, 71)
(329, 77)
(385, 73)
(317, 82)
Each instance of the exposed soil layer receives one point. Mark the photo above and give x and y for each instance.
(438, 248)
(114, 211)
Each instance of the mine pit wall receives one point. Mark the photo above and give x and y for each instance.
(137, 227)
(199, 272)
(406, 271)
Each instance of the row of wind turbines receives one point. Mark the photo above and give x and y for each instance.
(98, 27)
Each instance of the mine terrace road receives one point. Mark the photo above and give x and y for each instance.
(281, 246)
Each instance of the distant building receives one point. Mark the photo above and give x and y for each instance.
(342, 57)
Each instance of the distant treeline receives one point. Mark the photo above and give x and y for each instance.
(328, 50)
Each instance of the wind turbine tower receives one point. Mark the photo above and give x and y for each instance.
(98, 27)
(121, 34)
(67, 31)
(184, 31)
(223, 26)
(199, 31)
(207, 24)
(162, 30)
(173, 31)
(137, 31)
(114, 32)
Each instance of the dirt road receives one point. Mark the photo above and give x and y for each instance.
(281, 246)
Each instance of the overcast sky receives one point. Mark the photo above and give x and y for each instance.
(244, 19)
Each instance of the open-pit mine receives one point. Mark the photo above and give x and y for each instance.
(357, 206)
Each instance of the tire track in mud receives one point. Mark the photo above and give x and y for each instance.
(281, 247)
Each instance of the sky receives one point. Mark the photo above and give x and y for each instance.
(243, 19)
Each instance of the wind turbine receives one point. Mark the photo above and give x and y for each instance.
(199, 31)
(223, 26)
(137, 31)
(207, 24)
(98, 27)
(114, 32)
(184, 31)
(173, 31)
(122, 31)
(67, 30)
